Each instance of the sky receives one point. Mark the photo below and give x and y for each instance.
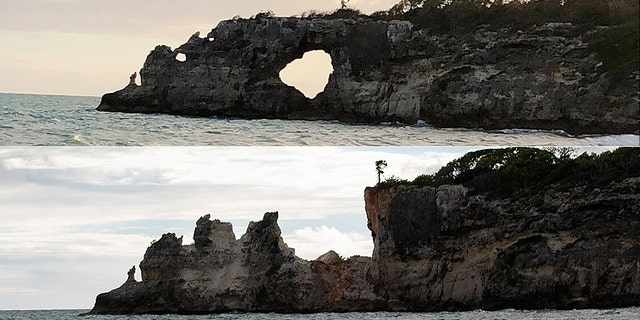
(91, 47)
(74, 220)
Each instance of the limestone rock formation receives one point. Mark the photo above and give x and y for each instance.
(256, 273)
(131, 275)
(388, 71)
(444, 248)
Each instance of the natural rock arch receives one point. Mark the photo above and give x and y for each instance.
(384, 71)
(237, 74)
(309, 74)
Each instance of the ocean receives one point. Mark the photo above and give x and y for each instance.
(604, 314)
(27, 120)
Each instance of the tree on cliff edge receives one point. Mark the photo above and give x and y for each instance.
(380, 166)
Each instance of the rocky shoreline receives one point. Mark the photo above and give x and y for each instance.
(435, 249)
(545, 77)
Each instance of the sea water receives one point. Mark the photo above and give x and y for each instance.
(604, 314)
(67, 120)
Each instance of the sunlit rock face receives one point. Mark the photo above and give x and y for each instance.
(545, 77)
(256, 273)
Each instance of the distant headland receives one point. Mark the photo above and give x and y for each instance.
(506, 228)
(537, 65)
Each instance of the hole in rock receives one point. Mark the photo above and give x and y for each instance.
(181, 57)
(308, 74)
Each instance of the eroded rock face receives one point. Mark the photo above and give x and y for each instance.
(256, 273)
(577, 249)
(542, 78)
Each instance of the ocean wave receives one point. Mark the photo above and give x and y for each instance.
(60, 120)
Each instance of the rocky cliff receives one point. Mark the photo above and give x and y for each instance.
(545, 77)
(447, 249)
(435, 248)
(256, 273)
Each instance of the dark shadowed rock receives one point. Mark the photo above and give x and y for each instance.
(387, 71)
(463, 251)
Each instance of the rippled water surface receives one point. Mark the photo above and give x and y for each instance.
(604, 314)
(64, 120)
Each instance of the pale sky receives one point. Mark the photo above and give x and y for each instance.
(74, 220)
(90, 47)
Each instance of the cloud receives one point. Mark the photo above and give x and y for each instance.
(60, 282)
(18, 291)
(311, 242)
(63, 244)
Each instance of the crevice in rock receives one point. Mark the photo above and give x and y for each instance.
(181, 57)
(309, 74)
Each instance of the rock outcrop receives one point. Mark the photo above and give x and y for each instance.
(257, 273)
(546, 77)
(446, 249)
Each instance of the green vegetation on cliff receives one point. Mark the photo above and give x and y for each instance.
(445, 16)
(616, 45)
(509, 171)
(451, 15)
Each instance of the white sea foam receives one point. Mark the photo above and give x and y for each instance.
(615, 140)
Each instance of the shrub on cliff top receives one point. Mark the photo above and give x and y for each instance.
(498, 171)
(619, 49)
(346, 13)
(596, 170)
(392, 181)
(465, 15)
(505, 172)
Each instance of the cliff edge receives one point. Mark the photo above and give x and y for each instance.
(446, 249)
(570, 243)
(543, 77)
